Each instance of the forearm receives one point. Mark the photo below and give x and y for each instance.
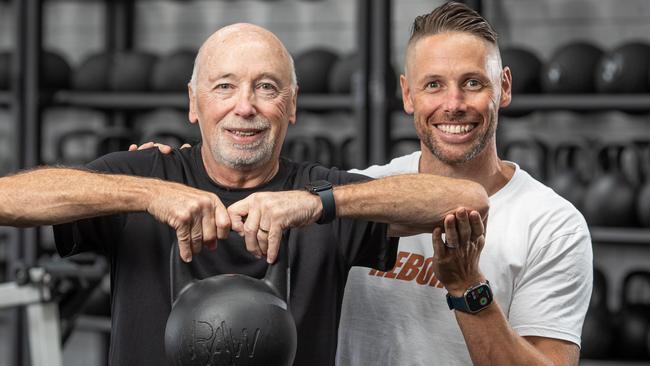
(47, 196)
(412, 202)
(491, 341)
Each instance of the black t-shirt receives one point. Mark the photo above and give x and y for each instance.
(138, 247)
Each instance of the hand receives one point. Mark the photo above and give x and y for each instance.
(165, 149)
(198, 217)
(456, 262)
(261, 217)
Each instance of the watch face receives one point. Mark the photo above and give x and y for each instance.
(479, 297)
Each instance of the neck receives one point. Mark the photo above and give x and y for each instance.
(486, 168)
(229, 177)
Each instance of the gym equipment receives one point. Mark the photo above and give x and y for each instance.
(103, 142)
(634, 319)
(230, 319)
(316, 148)
(131, 71)
(525, 67)
(5, 70)
(598, 328)
(610, 199)
(55, 71)
(643, 199)
(624, 69)
(312, 69)
(172, 73)
(342, 74)
(571, 69)
(530, 154)
(43, 291)
(122, 71)
(566, 180)
(92, 74)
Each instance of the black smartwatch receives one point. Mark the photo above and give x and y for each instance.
(324, 190)
(475, 299)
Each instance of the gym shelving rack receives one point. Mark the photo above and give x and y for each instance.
(371, 103)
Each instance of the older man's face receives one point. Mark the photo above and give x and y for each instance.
(243, 100)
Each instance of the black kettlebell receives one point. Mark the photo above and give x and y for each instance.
(643, 199)
(571, 69)
(312, 70)
(624, 69)
(230, 319)
(634, 319)
(610, 199)
(172, 73)
(530, 154)
(597, 330)
(566, 180)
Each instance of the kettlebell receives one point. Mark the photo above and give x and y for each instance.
(634, 319)
(230, 319)
(530, 154)
(610, 199)
(643, 199)
(566, 180)
(597, 330)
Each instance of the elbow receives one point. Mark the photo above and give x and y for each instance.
(478, 199)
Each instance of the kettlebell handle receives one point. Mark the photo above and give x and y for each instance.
(276, 277)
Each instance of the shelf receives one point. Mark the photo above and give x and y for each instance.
(620, 235)
(124, 100)
(585, 362)
(580, 102)
(5, 98)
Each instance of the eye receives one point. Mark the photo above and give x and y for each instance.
(432, 85)
(267, 87)
(473, 84)
(223, 86)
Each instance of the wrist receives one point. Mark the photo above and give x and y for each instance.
(459, 288)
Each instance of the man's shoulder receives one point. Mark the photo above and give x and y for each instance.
(401, 165)
(148, 162)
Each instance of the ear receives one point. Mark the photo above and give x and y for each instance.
(406, 94)
(192, 113)
(506, 87)
(293, 106)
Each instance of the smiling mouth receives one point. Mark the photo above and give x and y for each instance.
(244, 133)
(456, 129)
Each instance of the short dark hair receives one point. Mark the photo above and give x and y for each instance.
(452, 17)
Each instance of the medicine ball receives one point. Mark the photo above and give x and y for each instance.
(5, 70)
(173, 72)
(131, 71)
(525, 67)
(55, 71)
(571, 69)
(93, 72)
(312, 69)
(624, 69)
(345, 69)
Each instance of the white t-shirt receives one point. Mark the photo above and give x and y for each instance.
(537, 257)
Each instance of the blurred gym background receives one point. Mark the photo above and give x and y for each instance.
(80, 78)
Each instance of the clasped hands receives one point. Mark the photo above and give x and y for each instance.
(201, 219)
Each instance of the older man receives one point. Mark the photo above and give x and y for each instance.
(243, 96)
(519, 300)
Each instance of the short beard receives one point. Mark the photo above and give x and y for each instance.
(478, 147)
(244, 156)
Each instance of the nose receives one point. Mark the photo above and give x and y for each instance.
(245, 107)
(455, 100)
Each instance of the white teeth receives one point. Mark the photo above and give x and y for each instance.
(455, 129)
(244, 133)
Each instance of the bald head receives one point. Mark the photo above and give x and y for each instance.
(242, 33)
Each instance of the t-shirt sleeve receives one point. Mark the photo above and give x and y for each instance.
(361, 242)
(552, 297)
(98, 234)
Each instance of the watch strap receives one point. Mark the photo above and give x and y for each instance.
(329, 206)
